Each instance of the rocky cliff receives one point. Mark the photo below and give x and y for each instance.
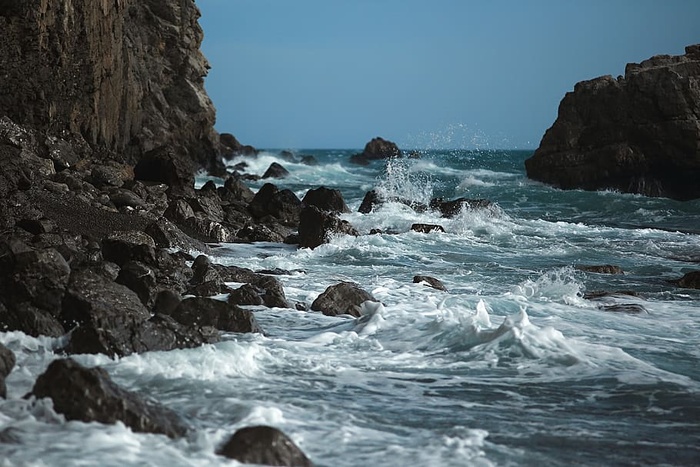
(639, 133)
(125, 76)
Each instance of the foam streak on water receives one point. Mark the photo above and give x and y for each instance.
(512, 367)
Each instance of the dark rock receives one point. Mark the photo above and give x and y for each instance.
(238, 190)
(230, 147)
(90, 395)
(309, 160)
(326, 199)
(37, 226)
(247, 294)
(601, 269)
(454, 207)
(105, 176)
(342, 298)
(105, 312)
(208, 188)
(275, 171)
(7, 362)
(690, 280)
(166, 302)
(637, 134)
(274, 292)
(209, 205)
(258, 233)
(39, 277)
(179, 211)
(165, 234)
(164, 165)
(265, 446)
(369, 202)
(140, 278)
(126, 198)
(283, 205)
(377, 148)
(431, 281)
(598, 294)
(629, 308)
(127, 77)
(121, 247)
(316, 227)
(199, 312)
(30, 320)
(427, 228)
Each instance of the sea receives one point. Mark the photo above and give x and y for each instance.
(513, 365)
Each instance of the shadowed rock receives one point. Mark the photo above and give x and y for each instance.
(263, 445)
(275, 171)
(283, 205)
(90, 395)
(326, 199)
(342, 299)
(690, 280)
(7, 362)
(431, 281)
(378, 148)
(637, 134)
(199, 312)
(427, 228)
(316, 227)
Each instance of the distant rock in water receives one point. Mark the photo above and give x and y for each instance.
(378, 148)
(637, 134)
(689, 281)
(601, 269)
(263, 445)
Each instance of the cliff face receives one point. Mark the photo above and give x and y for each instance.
(637, 134)
(127, 75)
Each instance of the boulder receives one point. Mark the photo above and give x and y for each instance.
(164, 165)
(134, 245)
(201, 312)
(283, 205)
(263, 445)
(316, 227)
(247, 294)
(165, 234)
(378, 148)
(637, 134)
(258, 233)
(275, 171)
(273, 295)
(90, 395)
(601, 269)
(452, 208)
(326, 199)
(427, 228)
(141, 279)
(430, 281)
(369, 202)
(235, 190)
(7, 362)
(690, 280)
(344, 298)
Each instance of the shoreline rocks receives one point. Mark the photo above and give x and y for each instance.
(636, 134)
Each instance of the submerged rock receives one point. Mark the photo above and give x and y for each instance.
(431, 281)
(342, 299)
(637, 134)
(454, 207)
(601, 269)
(90, 395)
(690, 280)
(263, 445)
(427, 228)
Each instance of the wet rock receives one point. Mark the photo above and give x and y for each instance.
(309, 160)
(237, 190)
(601, 269)
(342, 298)
(637, 134)
(283, 205)
(230, 147)
(90, 395)
(164, 165)
(247, 294)
(690, 280)
(207, 230)
(629, 308)
(30, 320)
(179, 211)
(209, 206)
(452, 208)
(7, 362)
(427, 228)
(326, 199)
(275, 171)
(378, 148)
(140, 278)
(316, 227)
(166, 302)
(135, 245)
(263, 445)
(206, 280)
(369, 202)
(273, 296)
(258, 233)
(165, 234)
(431, 281)
(200, 312)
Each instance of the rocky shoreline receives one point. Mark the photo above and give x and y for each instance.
(103, 236)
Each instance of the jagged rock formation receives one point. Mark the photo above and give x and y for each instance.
(639, 133)
(121, 75)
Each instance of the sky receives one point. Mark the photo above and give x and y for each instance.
(426, 74)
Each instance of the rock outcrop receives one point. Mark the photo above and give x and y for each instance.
(378, 148)
(639, 133)
(125, 76)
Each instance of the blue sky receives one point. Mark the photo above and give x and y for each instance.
(425, 74)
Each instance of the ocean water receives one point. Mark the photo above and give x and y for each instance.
(511, 366)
